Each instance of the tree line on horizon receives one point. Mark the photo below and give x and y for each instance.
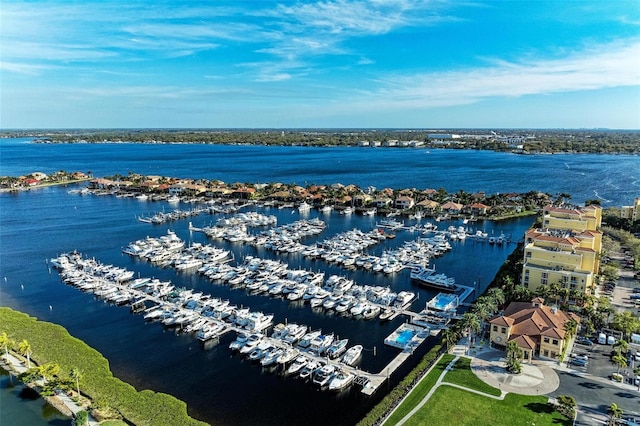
(533, 140)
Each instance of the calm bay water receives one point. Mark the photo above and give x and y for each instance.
(617, 181)
(218, 387)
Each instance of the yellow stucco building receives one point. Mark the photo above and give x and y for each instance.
(565, 251)
(631, 212)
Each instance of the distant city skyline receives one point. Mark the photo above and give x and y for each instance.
(320, 64)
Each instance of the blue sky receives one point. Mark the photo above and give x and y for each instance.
(330, 63)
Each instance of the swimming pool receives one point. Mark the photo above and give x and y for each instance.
(405, 336)
(444, 302)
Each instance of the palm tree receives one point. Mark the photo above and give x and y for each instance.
(450, 336)
(521, 294)
(6, 343)
(554, 291)
(571, 327)
(515, 354)
(621, 346)
(497, 294)
(47, 371)
(615, 412)
(25, 349)
(76, 375)
(543, 291)
(472, 323)
(620, 361)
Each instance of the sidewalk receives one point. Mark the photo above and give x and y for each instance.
(17, 367)
(537, 377)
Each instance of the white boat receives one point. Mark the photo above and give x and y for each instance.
(387, 314)
(337, 348)
(304, 207)
(249, 346)
(320, 344)
(287, 355)
(341, 380)
(240, 341)
(298, 364)
(271, 357)
(352, 355)
(209, 331)
(429, 278)
(307, 370)
(371, 311)
(326, 209)
(305, 342)
(347, 211)
(261, 350)
(404, 299)
(174, 199)
(323, 375)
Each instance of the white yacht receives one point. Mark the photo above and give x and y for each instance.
(323, 375)
(352, 355)
(337, 348)
(298, 364)
(341, 380)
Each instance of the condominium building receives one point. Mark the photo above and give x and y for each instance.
(631, 212)
(565, 250)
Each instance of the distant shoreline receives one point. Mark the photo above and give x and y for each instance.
(44, 185)
(519, 141)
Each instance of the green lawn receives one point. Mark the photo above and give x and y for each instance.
(420, 391)
(452, 406)
(462, 375)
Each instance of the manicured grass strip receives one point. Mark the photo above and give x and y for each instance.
(388, 402)
(52, 343)
(452, 406)
(420, 391)
(462, 375)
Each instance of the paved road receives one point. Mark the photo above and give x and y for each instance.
(596, 394)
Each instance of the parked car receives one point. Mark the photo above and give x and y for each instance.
(584, 341)
(580, 362)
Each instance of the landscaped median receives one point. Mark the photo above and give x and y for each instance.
(52, 345)
(461, 398)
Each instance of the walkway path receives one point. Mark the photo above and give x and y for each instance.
(16, 366)
(537, 378)
(439, 383)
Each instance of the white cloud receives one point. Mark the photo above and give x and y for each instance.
(598, 67)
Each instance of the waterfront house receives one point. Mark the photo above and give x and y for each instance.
(428, 206)
(404, 202)
(451, 207)
(243, 193)
(477, 209)
(380, 202)
(539, 330)
(565, 251)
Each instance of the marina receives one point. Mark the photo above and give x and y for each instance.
(178, 256)
(210, 318)
(216, 384)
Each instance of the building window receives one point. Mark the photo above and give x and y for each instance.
(495, 328)
(546, 340)
(555, 342)
(546, 353)
(527, 255)
(504, 330)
